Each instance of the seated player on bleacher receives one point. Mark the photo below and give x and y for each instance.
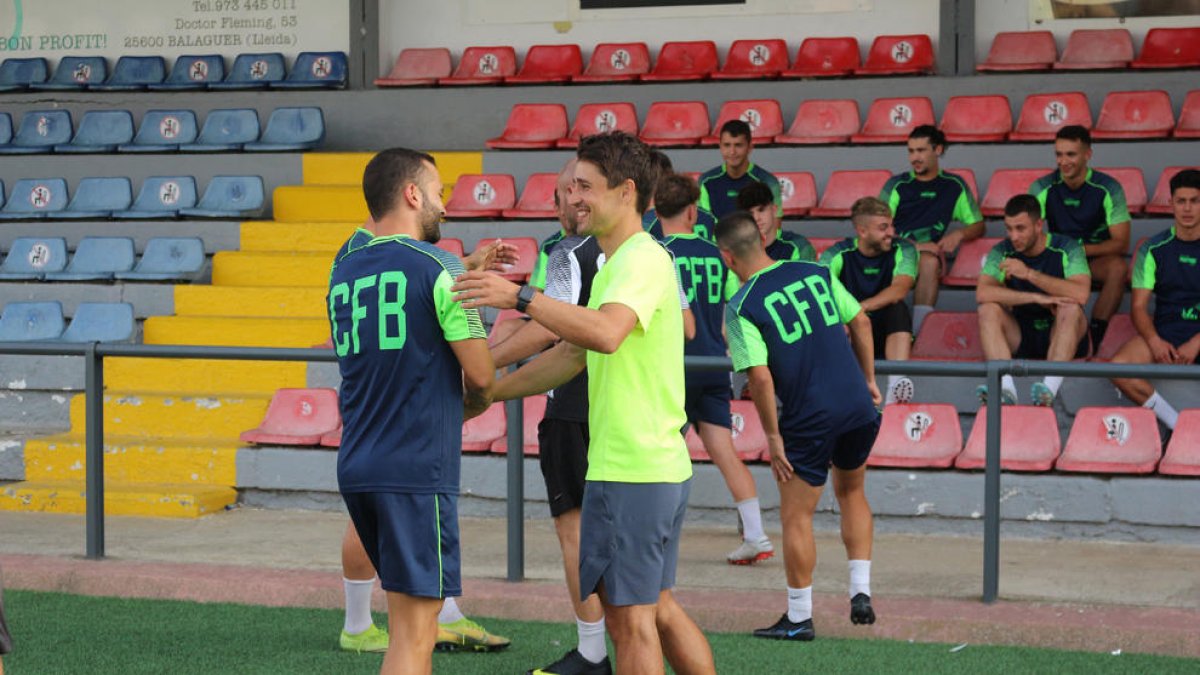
(1166, 266)
(1031, 295)
(758, 199)
(705, 220)
(879, 270)
(720, 185)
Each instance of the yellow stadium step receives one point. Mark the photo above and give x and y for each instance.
(266, 302)
(268, 235)
(346, 168)
(120, 499)
(182, 419)
(319, 203)
(235, 331)
(131, 459)
(202, 375)
(235, 268)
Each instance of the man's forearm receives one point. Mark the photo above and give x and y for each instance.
(1057, 286)
(526, 341)
(551, 369)
(762, 390)
(1004, 296)
(888, 296)
(864, 344)
(586, 328)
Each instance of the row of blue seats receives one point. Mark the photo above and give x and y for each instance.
(224, 130)
(112, 197)
(103, 259)
(311, 70)
(93, 322)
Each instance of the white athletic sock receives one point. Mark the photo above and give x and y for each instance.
(919, 314)
(752, 529)
(1007, 383)
(358, 604)
(799, 604)
(591, 640)
(450, 611)
(1163, 410)
(860, 577)
(1053, 382)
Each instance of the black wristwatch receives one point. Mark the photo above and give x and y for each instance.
(525, 296)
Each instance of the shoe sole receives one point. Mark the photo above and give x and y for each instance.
(455, 647)
(783, 638)
(750, 561)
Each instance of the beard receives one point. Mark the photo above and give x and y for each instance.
(431, 219)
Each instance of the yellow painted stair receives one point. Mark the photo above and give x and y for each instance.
(120, 499)
(135, 459)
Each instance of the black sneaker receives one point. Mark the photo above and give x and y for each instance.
(787, 630)
(860, 609)
(573, 663)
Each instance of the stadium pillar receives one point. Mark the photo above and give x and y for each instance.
(991, 484)
(515, 411)
(94, 449)
(956, 37)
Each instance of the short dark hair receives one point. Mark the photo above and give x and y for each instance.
(675, 192)
(736, 128)
(662, 161)
(755, 194)
(1074, 132)
(386, 175)
(620, 157)
(737, 233)
(1188, 178)
(935, 135)
(1026, 203)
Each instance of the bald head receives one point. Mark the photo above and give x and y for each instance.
(567, 216)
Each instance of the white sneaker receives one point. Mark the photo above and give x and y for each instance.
(901, 392)
(751, 552)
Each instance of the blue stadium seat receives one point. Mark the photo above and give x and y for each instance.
(5, 128)
(97, 258)
(192, 72)
(133, 73)
(316, 70)
(161, 197)
(225, 130)
(98, 198)
(100, 322)
(31, 257)
(39, 132)
(229, 197)
(163, 131)
(253, 71)
(100, 131)
(18, 74)
(290, 129)
(34, 198)
(168, 259)
(24, 321)
(74, 73)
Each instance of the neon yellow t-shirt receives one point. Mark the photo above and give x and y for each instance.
(636, 394)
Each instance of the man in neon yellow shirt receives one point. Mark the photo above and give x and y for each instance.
(630, 339)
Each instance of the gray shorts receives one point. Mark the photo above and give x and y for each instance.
(629, 539)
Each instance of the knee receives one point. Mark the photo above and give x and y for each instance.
(990, 313)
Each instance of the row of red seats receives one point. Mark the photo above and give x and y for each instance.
(1102, 440)
(677, 61)
(954, 336)
(495, 195)
(1090, 49)
(966, 119)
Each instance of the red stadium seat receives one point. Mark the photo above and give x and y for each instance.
(977, 119)
(1029, 440)
(754, 60)
(478, 433)
(917, 435)
(1112, 440)
(968, 176)
(537, 199)
(1183, 452)
(822, 121)
(1135, 114)
(1189, 116)
(799, 192)
(527, 251)
(332, 439)
(819, 244)
(532, 126)
(1133, 184)
(675, 123)
(597, 118)
(1092, 49)
(1169, 48)
(889, 120)
(845, 187)
(1020, 51)
(899, 55)
(1042, 115)
(297, 417)
(616, 62)
(763, 115)
(451, 245)
(1120, 330)
(969, 262)
(483, 65)
(1160, 203)
(949, 336)
(481, 196)
(825, 57)
(534, 410)
(682, 61)
(503, 317)
(749, 439)
(546, 64)
(1004, 185)
(417, 67)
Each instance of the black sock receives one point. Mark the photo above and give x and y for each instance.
(1097, 330)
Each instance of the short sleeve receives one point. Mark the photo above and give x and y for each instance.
(746, 346)
(1115, 207)
(1076, 263)
(1144, 267)
(563, 276)
(966, 209)
(635, 278)
(890, 195)
(832, 258)
(538, 276)
(457, 322)
(991, 264)
(906, 259)
(847, 306)
(804, 249)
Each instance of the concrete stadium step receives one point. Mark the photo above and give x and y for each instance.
(134, 459)
(236, 331)
(211, 376)
(235, 268)
(147, 299)
(319, 203)
(182, 419)
(218, 235)
(346, 168)
(34, 412)
(120, 499)
(244, 301)
(297, 237)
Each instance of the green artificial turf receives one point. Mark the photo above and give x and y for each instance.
(60, 633)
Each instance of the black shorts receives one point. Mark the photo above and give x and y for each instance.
(708, 404)
(895, 318)
(1035, 341)
(812, 457)
(562, 453)
(411, 539)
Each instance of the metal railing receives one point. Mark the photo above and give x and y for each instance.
(95, 353)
